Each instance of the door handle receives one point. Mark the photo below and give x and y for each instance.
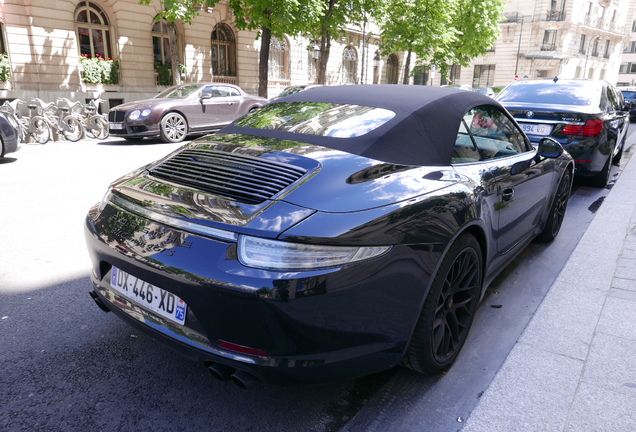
(508, 194)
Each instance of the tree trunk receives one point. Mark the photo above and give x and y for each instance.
(407, 67)
(263, 62)
(325, 47)
(174, 55)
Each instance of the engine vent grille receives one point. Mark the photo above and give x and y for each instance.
(243, 178)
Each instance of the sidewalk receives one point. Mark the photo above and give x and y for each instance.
(574, 367)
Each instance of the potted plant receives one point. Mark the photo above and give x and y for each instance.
(98, 70)
(5, 70)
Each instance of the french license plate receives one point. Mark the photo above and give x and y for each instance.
(158, 300)
(117, 126)
(536, 129)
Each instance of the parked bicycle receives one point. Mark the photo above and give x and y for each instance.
(60, 120)
(95, 124)
(30, 124)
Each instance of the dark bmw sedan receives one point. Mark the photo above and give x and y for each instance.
(337, 232)
(589, 118)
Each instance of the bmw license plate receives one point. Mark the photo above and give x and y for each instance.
(536, 129)
(115, 126)
(158, 300)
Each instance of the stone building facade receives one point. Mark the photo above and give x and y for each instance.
(44, 41)
(549, 38)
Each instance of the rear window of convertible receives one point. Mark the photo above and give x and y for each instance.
(318, 118)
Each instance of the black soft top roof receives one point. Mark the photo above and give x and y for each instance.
(423, 131)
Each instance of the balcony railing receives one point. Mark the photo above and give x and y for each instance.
(548, 46)
(555, 16)
(512, 17)
(226, 79)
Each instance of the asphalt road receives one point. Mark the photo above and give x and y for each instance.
(67, 366)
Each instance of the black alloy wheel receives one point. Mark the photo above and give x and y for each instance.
(173, 128)
(448, 310)
(557, 210)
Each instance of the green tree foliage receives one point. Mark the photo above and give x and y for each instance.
(335, 15)
(273, 18)
(173, 11)
(420, 27)
(477, 26)
(441, 33)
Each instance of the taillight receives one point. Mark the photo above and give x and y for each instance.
(242, 349)
(591, 128)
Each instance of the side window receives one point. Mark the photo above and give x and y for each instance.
(465, 150)
(495, 135)
(611, 99)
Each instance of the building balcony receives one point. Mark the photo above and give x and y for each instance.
(548, 47)
(555, 16)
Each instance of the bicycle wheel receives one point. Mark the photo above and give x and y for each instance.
(72, 128)
(98, 127)
(39, 130)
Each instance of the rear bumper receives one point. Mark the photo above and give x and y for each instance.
(316, 326)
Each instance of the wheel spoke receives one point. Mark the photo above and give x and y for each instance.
(455, 305)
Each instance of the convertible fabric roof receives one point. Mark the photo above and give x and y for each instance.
(423, 131)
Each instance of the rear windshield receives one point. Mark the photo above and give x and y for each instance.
(179, 92)
(629, 94)
(559, 93)
(318, 118)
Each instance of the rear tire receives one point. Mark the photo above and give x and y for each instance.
(601, 179)
(72, 128)
(617, 159)
(39, 130)
(97, 127)
(449, 309)
(557, 210)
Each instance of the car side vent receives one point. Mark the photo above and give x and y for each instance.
(243, 178)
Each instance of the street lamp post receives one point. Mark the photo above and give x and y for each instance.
(519, 46)
(587, 56)
(376, 68)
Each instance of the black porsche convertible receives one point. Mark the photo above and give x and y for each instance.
(337, 232)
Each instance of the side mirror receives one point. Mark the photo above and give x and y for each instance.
(549, 148)
(205, 96)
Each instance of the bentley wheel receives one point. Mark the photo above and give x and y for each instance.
(173, 128)
(557, 211)
(448, 310)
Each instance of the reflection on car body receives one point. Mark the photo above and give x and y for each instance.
(182, 110)
(9, 136)
(331, 234)
(630, 98)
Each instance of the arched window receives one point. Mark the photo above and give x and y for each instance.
(392, 69)
(93, 31)
(349, 65)
(161, 43)
(223, 51)
(278, 59)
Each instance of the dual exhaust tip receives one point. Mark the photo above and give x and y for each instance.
(224, 373)
(221, 372)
